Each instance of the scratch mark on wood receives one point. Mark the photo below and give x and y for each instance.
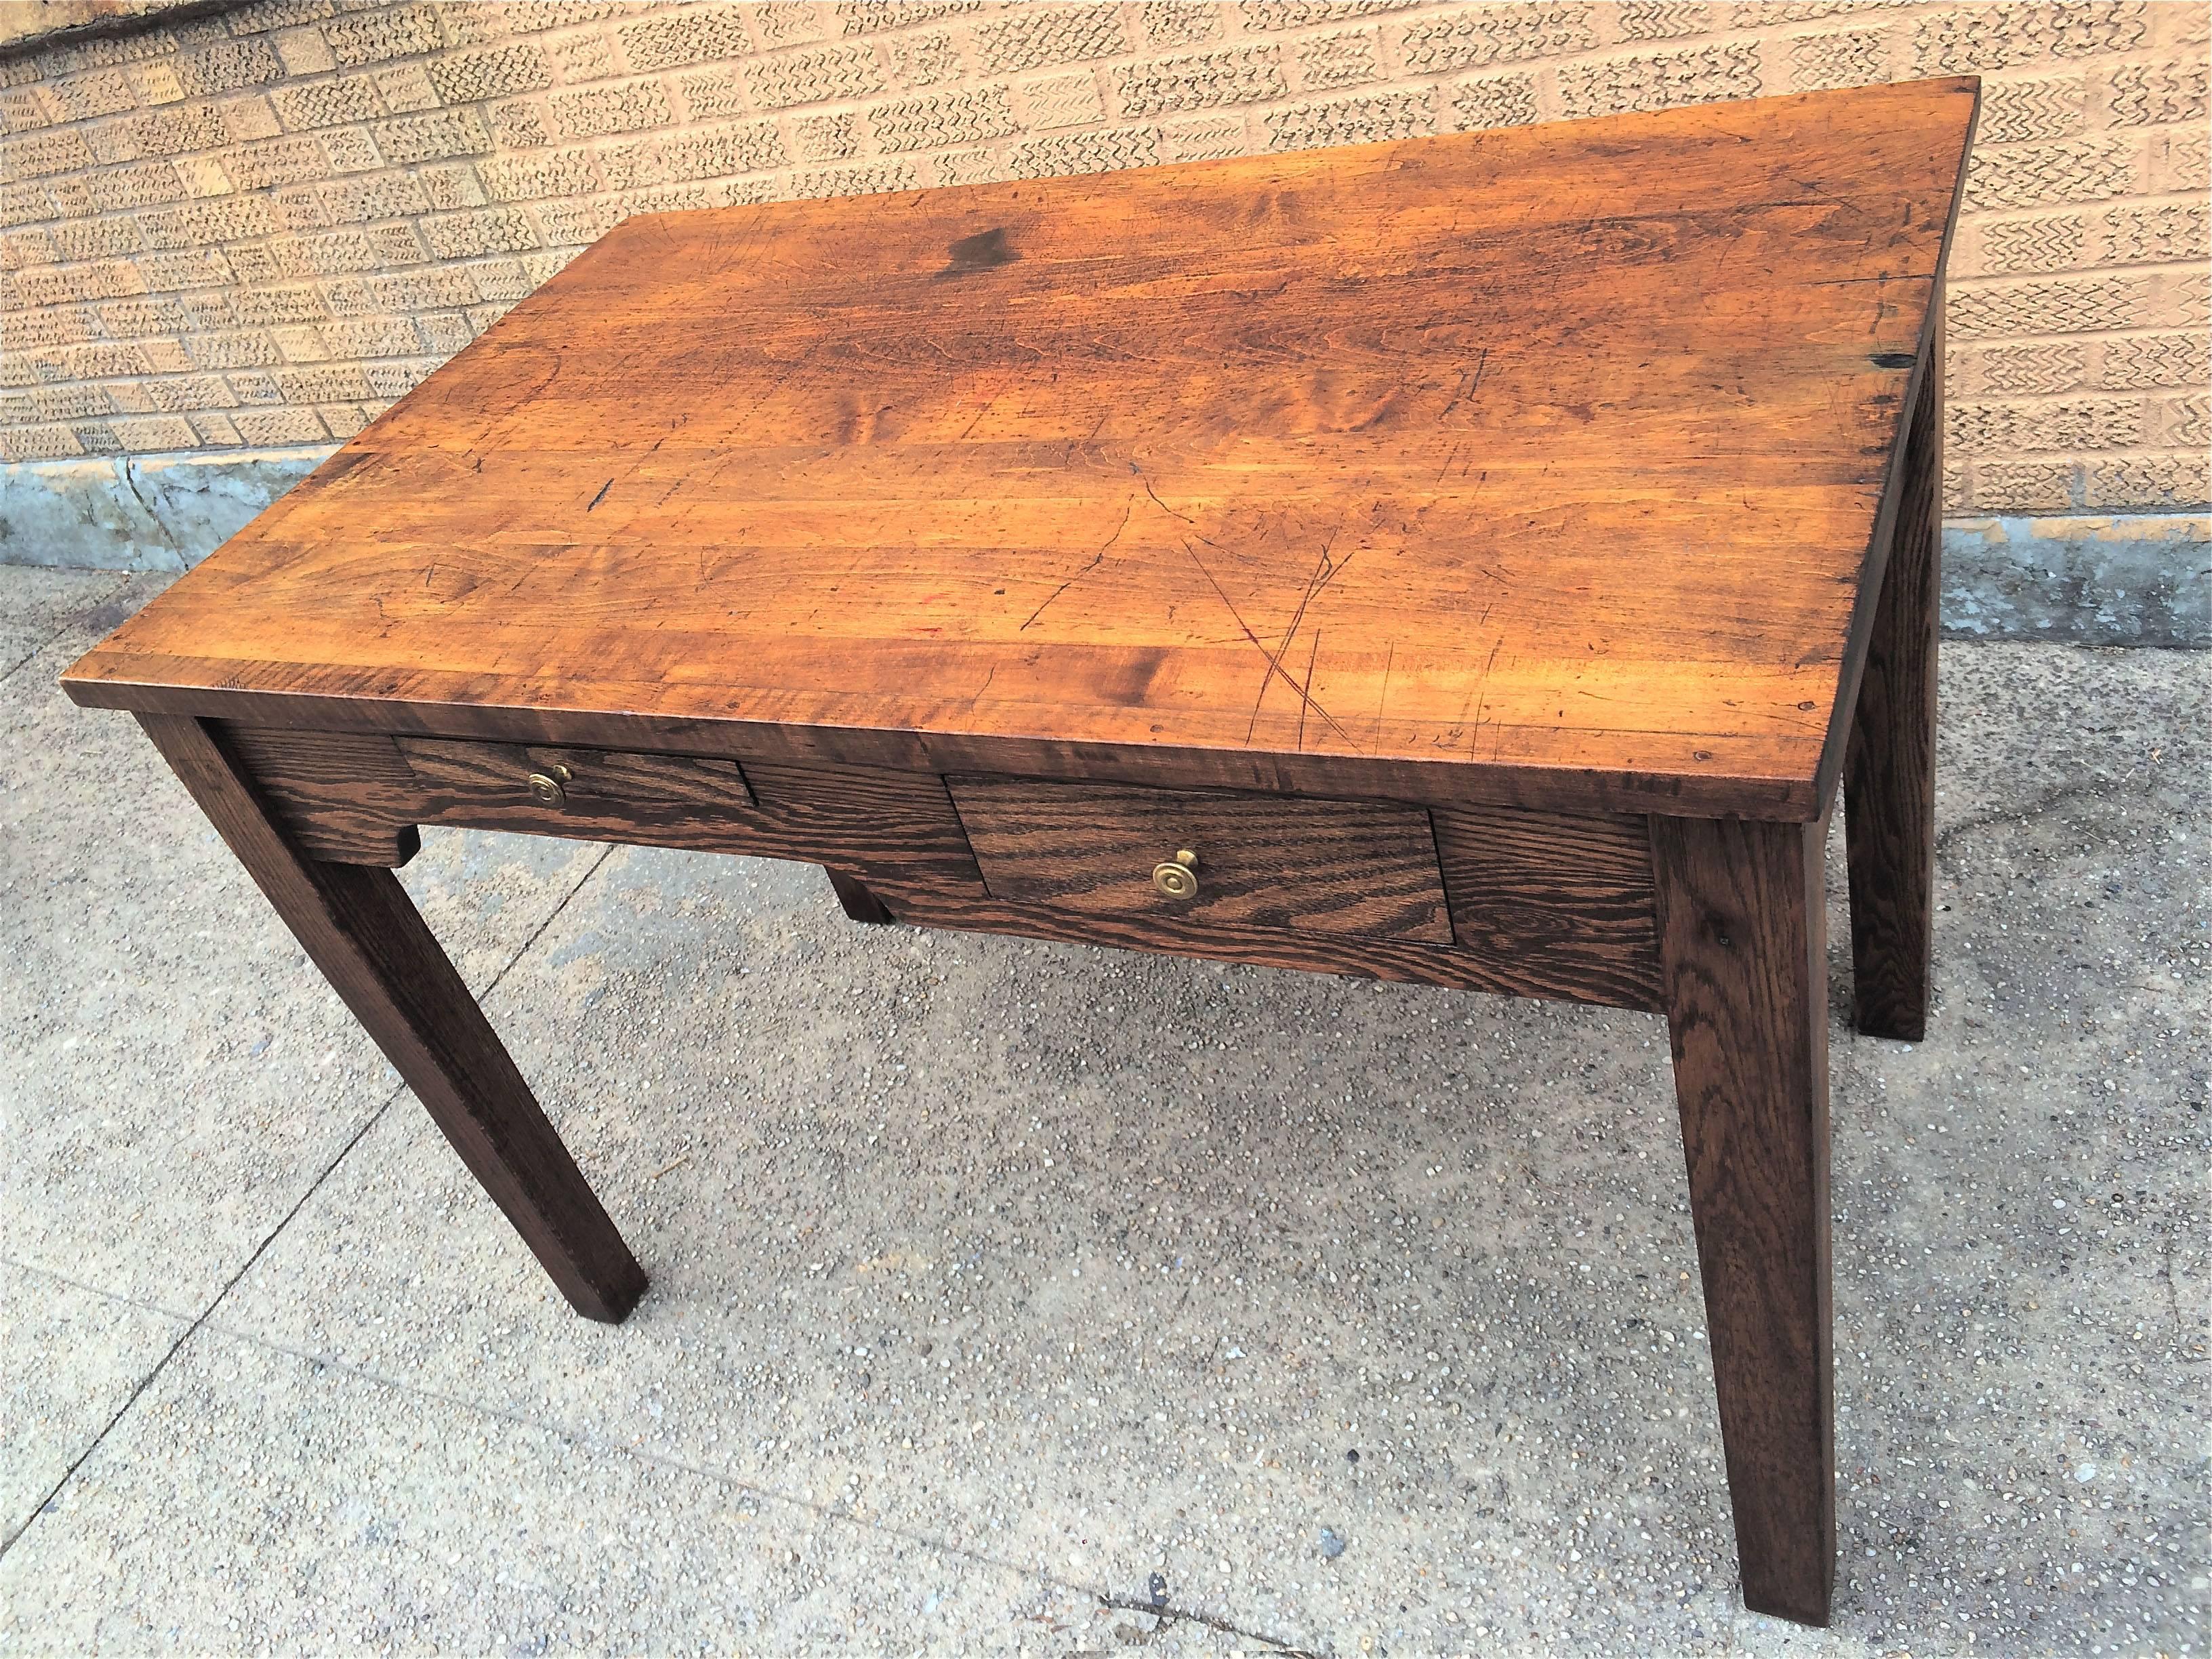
(1087, 569)
(602, 496)
(1273, 667)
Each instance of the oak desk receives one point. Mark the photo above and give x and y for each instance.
(1472, 560)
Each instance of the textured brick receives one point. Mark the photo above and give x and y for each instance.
(711, 152)
(1847, 57)
(583, 57)
(300, 344)
(277, 162)
(279, 426)
(155, 83)
(247, 119)
(1338, 60)
(2183, 480)
(114, 189)
(304, 52)
(388, 31)
(596, 112)
(164, 273)
(473, 76)
(320, 383)
(44, 153)
(938, 119)
(1084, 152)
(868, 180)
(1977, 38)
(1205, 138)
(2150, 94)
(96, 238)
(1300, 14)
(2155, 360)
(2024, 486)
(927, 59)
(226, 68)
(378, 196)
(692, 35)
(445, 332)
(1180, 22)
(22, 203)
(1062, 101)
(155, 434)
(968, 166)
(867, 16)
(193, 392)
(2032, 175)
(525, 177)
(1365, 119)
(130, 319)
(2021, 111)
(406, 88)
(826, 137)
(180, 127)
(1663, 20)
(787, 23)
(1243, 75)
(209, 223)
(711, 93)
(1031, 36)
(427, 137)
(454, 186)
(2178, 160)
(328, 103)
(1659, 80)
(1495, 101)
(490, 230)
(814, 76)
(2045, 366)
(1472, 36)
(296, 303)
(107, 92)
(98, 359)
(574, 223)
(2182, 423)
(519, 123)
(2073, 306)
(214, 430)
(2168, 233)
(252, 348)
(438, 288)
(2043, 244)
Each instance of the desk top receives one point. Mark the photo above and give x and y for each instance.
(1541, 465)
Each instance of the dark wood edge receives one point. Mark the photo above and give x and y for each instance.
(1875, 563)
(1499, 972)
(1442, 782)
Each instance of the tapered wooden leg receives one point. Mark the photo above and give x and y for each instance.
(1889, 766)
(1743, 959)
(360, 928)
(861, 903)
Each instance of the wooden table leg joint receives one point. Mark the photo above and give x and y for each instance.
(358, 925)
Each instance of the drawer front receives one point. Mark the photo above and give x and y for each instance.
(357, 797)
(1361, 868)
(586, 790)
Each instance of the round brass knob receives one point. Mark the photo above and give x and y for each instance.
(545, 786)
(1178, 877)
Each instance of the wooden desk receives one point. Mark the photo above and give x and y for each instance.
(1481, 556)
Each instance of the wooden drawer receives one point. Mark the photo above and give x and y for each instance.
(357, 797)
(1361, 868)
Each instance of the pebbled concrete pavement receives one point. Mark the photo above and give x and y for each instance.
(1003, 1291)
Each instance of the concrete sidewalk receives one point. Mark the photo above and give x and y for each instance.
(1004, 1291)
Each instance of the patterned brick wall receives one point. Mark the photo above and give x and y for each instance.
(258, 227)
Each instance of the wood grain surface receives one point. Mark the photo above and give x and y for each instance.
(1496, 965)
(355, 797)
(1889, 778)
(1568, 898)
(1537, 466)
(360, 929)
(1743, 949)
(1320, 866)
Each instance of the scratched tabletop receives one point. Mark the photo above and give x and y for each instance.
(1544, 454)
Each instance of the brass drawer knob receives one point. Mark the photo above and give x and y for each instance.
(545, 787)
(1178, 877)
